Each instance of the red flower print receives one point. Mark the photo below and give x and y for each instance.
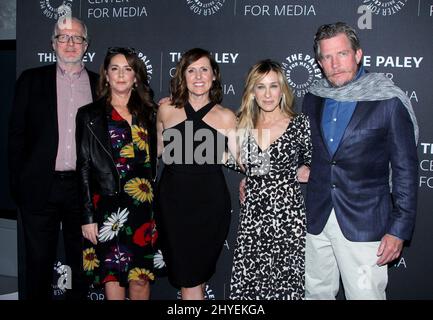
(115, 115)
(154, 236)
(95, 199)
(143, 235)
(109, 278)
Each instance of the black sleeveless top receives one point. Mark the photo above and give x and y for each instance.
(193, 145)
(193, 199)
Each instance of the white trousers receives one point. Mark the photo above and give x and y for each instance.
(329, 255)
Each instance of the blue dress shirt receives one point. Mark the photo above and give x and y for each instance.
(336, 117)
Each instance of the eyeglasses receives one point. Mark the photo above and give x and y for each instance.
(64, 38)
(122, 50)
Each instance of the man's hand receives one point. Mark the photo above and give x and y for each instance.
(303, 174)
(389, 249)
(90, 232)
(242, 190)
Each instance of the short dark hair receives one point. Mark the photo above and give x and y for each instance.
(178, 88)
(327, 31)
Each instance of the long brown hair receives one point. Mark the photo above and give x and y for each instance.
(178, 88)
(140, 102)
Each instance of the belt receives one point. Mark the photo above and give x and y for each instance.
(65, 174)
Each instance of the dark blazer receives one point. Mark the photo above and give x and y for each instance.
(95, 163)
(33, 135)
(355, 180)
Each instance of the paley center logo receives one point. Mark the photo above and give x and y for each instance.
(115, 9)
(384, 8)
(95, 293)
(205, 7)
(147, 64)
(55, 9)
(279, 9)
(301, 71)
(426, 165)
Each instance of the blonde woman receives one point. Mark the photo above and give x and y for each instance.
(269, 254)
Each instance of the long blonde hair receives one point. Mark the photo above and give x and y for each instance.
(249, 110)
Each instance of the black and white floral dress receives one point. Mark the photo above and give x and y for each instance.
(269, 260)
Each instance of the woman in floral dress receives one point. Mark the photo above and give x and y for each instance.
(116, 159)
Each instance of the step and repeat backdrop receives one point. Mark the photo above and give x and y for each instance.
(396, 36)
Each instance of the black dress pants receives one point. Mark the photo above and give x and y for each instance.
(41, 235)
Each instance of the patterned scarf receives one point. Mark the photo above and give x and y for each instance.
(369, 87)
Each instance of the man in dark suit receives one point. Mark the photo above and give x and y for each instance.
(42, 159)
(362, 190)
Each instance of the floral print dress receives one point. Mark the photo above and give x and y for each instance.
(126, 248)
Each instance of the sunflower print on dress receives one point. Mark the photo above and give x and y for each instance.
(139, 189)
(140, 138)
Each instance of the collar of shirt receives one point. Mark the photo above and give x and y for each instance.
(360, 72)
(75, 74)
(336, 117)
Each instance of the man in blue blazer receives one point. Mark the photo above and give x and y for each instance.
(362, 190)
(41, 153)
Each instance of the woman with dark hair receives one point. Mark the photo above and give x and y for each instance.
(116, 160)
(268, 262)
(194, 133)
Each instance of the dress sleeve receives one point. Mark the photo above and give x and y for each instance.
(304, 139)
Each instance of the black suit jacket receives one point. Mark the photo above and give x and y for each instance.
(33, 135)
(355, 180)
